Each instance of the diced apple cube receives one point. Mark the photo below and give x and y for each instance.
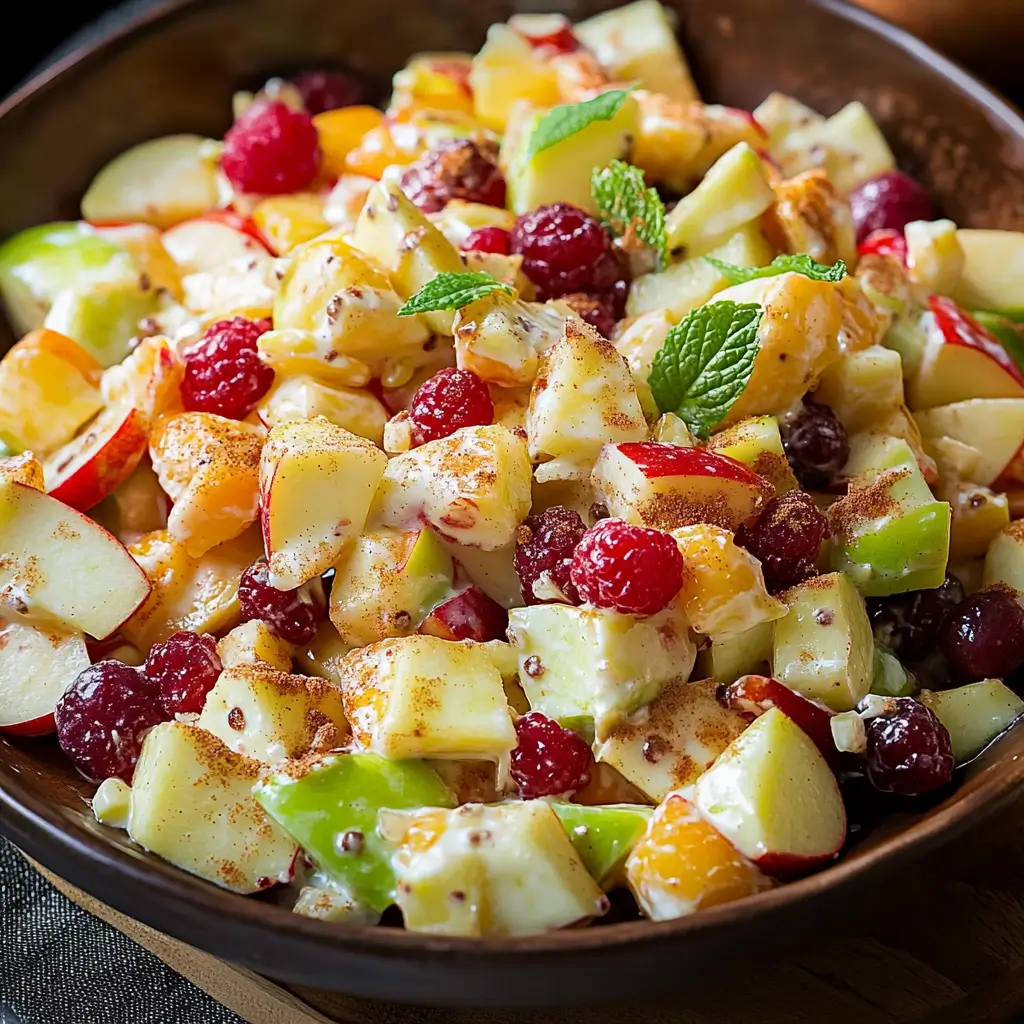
(504, 870)
(974, 715)
(420, 696)
(678, 737)
(322, 656)
(856, 148)
(192, 804)
(303, 398)
(252, 643)
(148, 380)
(757, 443)
(863, 387)
(1004, 561)
(734, 656)
(991, 277)
(977, 514)
(935, 259)
(994, 427)
(243, 287)
(22, 469)
(206, 243)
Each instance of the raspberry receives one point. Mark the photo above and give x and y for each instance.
(495, 240)
(103, 716)
(545, 544)
(549, 760)
(293, 615)
(785, 539)
(816, 445)
(328, 90)
(633, 569)
(271, 149)
(455, 169)
(447, 401)
(565, 251)
(185, 667)
(223, 371)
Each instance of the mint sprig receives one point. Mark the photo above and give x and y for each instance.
(705, 363)
(561, 122)
(452, 291)
(628, 208)
(799, 264)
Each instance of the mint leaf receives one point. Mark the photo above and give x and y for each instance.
(799, 264)
(628, 208)
(561, 122)
(705, 363)
(452, 291)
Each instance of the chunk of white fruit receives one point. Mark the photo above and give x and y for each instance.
(974, 715)
(252, 643)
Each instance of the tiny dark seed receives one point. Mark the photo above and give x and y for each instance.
(654, 749)
(824, 617)
(236, 719)
(534, 668)
(457, 896)
(403, 620)
(353, 841)
(598, 511)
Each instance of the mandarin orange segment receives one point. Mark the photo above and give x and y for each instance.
(342, 131)
(288, 221)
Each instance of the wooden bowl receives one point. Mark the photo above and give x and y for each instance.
(174, 70)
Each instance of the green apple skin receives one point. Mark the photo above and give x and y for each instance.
(1006, 330)
(890, 678)
(974, 715)
(728, 659)
(604, 835)
(343, 793)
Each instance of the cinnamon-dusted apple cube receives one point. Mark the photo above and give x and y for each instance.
(472, 487)
(272, 716)
(303, 398)
(723, 592)
(677, 738)
(757, 443)
(24, 468)
(683, 864)
(252, 643)
(666, 486)
(420, 696)
(810, 216)
(197, 594)
(148, 380)
(503, 870)
(209, 467)
(317, 482)
(192, 804)
(583, 397)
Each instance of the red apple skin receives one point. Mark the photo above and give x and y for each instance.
(959, 328)
(469, 615)
(42, 726)
(787, 867)
(243, 225)
(89, 467)
(656, 459)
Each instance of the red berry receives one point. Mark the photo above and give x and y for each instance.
(103, 716)
(328, 90)
(983, 636)
(271, 149)
(545, 544)
(293, 615)
(908, 624)
(223, 371)
(785, 539)
(909, 751)
(447, 401)
(565, 250)
(495, 240)
(185, 667)
(554, 38)
(600, 311)
(885, 243)
(889, 201)
(456, 169)
(816, 445)
(633, 569)
(549, 760)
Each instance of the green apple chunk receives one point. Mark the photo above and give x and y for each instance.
(889, 533)
(330, 807)
(889, 678)
(594, 662)
(757, 443)
(974, 715)
(1004, 560)
(603, 835)
(561, 173)
(734, 656)
(192, 804)
(863, 388)
(993, 273)
(824, 647)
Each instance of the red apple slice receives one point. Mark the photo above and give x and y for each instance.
(85, 470)
(58, 567)
(961, 360)
(469, 615)
(666, 486)
(36, 666)
(208, 242)
(885, 242)
(774, 797)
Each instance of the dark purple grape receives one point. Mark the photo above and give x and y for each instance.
(328, 90)
(785, 539)
(983, 636)
(816, 445)
(889, 202)
(908, 624)
(909, 751)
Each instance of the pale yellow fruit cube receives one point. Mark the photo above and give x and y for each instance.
(192, 804)
(863, 388)
(303, 397)
(24, 468)
(252, 643)
(935, 258)
(244, 286)
(321, 656)
(420, 696)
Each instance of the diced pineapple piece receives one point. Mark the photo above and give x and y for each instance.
(317, 482)
(412, 251)
(638, 43)
(506, 269)
(272, 716)
(22, 469)
(723, 591)
(192, 804)
(683, 864)
(420, 696)
(757, 443)
(304, 398)
(597, 663)
(252, 643)
(148, 380)
(472, 487)
(197, 594)
(734, 191)
(288, 221)
(935, 259)
(678, 737)
(583, 398)
(434, 81)
(503, 870)
(209, 467)
(810, 216)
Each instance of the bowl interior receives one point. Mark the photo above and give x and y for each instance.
(175, 72)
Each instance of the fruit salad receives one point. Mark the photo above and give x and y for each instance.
(548, 484)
